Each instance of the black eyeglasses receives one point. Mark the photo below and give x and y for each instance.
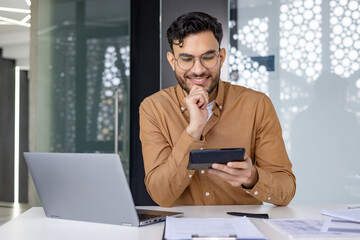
(207, 60)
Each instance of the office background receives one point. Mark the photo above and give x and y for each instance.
(303, 54)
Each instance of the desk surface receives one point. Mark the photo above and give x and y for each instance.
(33, 224)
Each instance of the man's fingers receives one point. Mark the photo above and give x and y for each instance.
(196, 88)
(231, 171)
(230, 166)
(236, 173)
(222, 174)
(224, 168)
(202, 101)
(239, 165)
(247, 159)
(199, 98)
(234, 180)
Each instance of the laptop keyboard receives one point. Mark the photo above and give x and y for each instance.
(143, 217)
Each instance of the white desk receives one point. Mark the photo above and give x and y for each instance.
(34, 225)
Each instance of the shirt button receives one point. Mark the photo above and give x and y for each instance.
(256, 193)
(248, 192)
(202, 171)
(220, 107)
(182, 108)
(190, 176)
(207, 194)
(201, 148)
(269, 198)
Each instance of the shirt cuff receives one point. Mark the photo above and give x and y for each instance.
(186, 143)
(262, 189)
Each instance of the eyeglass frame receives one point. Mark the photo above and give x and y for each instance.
(194, 58)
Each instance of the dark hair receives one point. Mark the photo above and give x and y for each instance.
(190, 23)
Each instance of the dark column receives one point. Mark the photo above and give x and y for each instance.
(80, 66)
(24, 136)
(7, 106)
(145, 80)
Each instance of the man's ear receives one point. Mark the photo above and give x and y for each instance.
(222, 55)
(171, 60)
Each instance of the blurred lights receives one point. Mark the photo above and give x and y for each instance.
(246, 72)
(345, 44)
(255, 35)
(300, 46)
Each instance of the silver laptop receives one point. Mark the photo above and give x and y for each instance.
(87, 187)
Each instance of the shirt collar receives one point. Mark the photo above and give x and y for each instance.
(219, 100)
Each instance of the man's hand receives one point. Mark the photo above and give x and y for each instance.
(237, 173)
(196, 103)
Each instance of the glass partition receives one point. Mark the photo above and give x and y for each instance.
(304, 54)
(83, 68)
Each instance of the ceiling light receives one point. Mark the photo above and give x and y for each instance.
(17, 10)
(9, 20)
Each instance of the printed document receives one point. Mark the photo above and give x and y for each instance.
(342, 226)
(348, 214)
(315, 227)
(186, 228)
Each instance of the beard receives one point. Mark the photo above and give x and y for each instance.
(186, 84)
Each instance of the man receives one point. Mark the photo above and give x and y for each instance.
(204, 112)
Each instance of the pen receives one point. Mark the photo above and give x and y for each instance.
(251, 215)
(354, 207)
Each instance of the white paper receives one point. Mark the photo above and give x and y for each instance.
(185, 228)
(343, 226)
(348, 214)
(313, 227)
(298, 227)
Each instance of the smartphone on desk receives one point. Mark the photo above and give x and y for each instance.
(204, 158)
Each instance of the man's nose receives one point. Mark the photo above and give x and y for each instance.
(198, 68)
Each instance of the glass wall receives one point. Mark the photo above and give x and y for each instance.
(304, 54)
(83, 68)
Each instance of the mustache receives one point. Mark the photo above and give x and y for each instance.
(203, 75)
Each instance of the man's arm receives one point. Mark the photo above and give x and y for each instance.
(166, 174)
(166, 171)
(271, 178)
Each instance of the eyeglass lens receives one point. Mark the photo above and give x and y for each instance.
(208, 60)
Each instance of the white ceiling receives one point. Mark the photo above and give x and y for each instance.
(15, 39)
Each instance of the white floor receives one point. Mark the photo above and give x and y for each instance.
(9, 211)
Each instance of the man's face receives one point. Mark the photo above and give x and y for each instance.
(195, 46)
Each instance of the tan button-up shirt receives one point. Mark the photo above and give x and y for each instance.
(241, 118)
